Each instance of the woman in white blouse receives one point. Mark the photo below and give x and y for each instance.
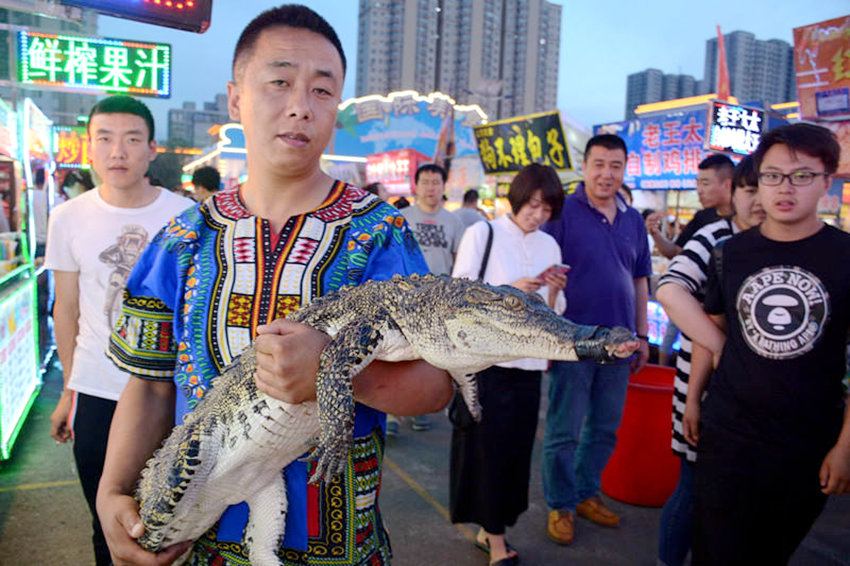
(491, 460)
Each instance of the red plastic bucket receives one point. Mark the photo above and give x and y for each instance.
(643, 470)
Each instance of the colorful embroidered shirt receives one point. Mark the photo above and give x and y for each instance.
(193, 303)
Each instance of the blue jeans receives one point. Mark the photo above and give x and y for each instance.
(585, 408)
(677, 520)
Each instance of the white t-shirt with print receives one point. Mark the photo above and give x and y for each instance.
(102, 242)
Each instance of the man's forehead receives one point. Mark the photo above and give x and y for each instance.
(286, 43)
(603, 153)
(114, 121)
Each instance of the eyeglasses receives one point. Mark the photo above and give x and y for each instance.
(797, 178)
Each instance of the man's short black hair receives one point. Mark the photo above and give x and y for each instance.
(721, 164)
(608, 141)
(470, 196)
(815, 141)
(745, 174)
(208, 178)
(123, 104)
(532, 178)
(289, 15)
(433, 168)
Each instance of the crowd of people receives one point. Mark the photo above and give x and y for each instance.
(159, 293)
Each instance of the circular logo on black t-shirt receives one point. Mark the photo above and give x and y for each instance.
(783, 311)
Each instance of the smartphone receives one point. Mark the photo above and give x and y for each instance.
(555, 267)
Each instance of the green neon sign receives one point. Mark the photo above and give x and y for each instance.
(94, 64)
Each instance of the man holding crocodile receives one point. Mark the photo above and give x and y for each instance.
(230, 269)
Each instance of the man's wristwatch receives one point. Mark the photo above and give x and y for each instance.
(643, 337)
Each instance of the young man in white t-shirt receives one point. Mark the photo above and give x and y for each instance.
(95, 239)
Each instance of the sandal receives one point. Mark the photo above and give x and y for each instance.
(507, 561)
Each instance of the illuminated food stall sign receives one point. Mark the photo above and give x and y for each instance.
(190, 15)
(94, 64)
(8, 131)
(20, 380)
(664, 152)
(822, 66)
(734, 129)
(72, 147)
(395, 170)
(509, 145)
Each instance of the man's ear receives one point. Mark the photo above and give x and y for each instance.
(152, 145)
(233, 100)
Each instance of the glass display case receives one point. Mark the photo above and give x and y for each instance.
(20, 372)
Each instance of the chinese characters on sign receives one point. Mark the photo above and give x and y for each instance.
(822, 65)
(509, 145)
(395, 170)
(72, 147)
(89, 63)
(735, 129)
(663, 151)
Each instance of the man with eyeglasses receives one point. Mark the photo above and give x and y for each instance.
(775, 428)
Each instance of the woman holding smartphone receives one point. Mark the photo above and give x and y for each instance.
(491, 460)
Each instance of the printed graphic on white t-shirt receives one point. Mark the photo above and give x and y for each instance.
(782, 311)
(122, 256)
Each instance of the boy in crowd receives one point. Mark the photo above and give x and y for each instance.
(95, 239)
(775, 429)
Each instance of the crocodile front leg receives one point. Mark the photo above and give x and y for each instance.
(345, 356)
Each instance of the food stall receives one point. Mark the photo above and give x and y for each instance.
(20, 378)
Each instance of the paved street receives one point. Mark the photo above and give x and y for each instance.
(44, 519)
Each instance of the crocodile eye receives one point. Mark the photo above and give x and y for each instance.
(513, 301)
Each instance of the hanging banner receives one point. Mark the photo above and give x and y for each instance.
(506, 146)
(94, 64)
(664, 152)
(822, 66)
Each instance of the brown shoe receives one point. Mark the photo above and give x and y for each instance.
(561, 528)
(592, 508)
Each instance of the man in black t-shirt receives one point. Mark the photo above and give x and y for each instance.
(775, 430)
(714, 188)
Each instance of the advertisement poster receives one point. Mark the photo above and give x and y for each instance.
(509, 145)
(663, 151)
(822, 67)
(19, 376)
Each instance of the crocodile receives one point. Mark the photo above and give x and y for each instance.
(234, 445)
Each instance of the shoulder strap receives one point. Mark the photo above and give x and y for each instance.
(486, 258)
(717, 252)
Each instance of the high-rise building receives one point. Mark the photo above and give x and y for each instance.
(61, 107)
(652, 85)
(501, 54)
(759, 71)
(189, 125)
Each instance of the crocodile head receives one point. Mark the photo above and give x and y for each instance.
(504, 323)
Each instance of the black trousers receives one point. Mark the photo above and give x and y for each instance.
(91, 420)
(747, 519)
(491, 460)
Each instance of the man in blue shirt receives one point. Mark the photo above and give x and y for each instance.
(604, 241)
